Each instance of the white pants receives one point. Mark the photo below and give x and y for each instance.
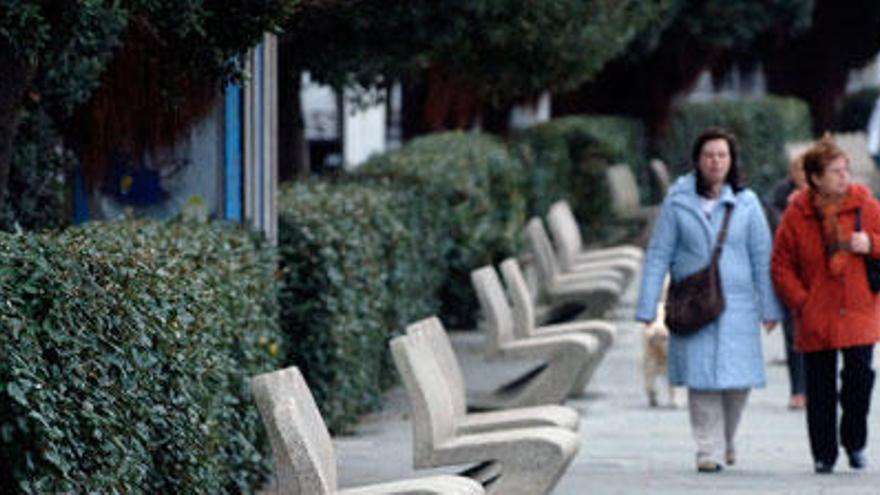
(714, 418)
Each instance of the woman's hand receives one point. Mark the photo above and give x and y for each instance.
(860, 243)
(770, 325)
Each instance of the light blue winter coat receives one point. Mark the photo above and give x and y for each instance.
(726, 354)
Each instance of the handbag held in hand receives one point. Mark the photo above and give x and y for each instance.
(872, 265)
(698, 299)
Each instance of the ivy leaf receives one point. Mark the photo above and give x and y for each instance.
(15, 392)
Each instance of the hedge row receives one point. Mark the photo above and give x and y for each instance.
(566, 158)
(354, 274)
(472, 187)
(395, 242)
(762, 126)
(124, 359)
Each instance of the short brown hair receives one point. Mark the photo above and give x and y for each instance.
(819, 156)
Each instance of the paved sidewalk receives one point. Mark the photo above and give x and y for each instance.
(628, 447)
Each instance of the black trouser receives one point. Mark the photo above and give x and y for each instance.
(857, 380)
(793, 359)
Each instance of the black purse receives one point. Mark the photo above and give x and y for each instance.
(872, 265)
(698, 299)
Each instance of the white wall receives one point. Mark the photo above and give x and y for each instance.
(529, 114)
(363, 132)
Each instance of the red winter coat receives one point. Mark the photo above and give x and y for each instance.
(830, 312)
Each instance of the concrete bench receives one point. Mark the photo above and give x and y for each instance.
(432, 333)
(626, 202)
(305, 462)
(661, 174)
(567, 361)
(597, 289)
(525, 324)
(520, 461)
(571, 254)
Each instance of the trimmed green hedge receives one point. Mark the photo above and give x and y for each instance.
(472, 187)
(795, 114)
(567, 157)
(357, 267)
(855, 111)
(395, 242)
(762, 127)
(625, 136)
(124, 358)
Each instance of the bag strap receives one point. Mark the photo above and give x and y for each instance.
(722, 234)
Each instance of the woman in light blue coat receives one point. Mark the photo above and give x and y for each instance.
(721, 362)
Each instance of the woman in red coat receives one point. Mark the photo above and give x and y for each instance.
(818, 269)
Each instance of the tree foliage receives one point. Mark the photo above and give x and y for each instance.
(694, 36)
(488, 50)
(67, 45)
(55, 53)
(806, 48)
(815, 65)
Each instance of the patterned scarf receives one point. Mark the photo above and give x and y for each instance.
(836, 245)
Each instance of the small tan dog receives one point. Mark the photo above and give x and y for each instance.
(655, 351)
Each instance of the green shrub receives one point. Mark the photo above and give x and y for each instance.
(795, 115)
(124, 357)
(566, 159)
(40, 163)
(472, 189)
(762, 127)
(855, 111)
(625, 137)
(358, 265)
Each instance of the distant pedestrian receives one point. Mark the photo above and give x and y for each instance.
(721, 362)
(780, 197)
(820, 274)
(873, 132)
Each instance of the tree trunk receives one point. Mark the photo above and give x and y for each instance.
(449, 104)
(13, 84)
(824, 103)
(412, 123)
(645, 89)
(815, 66)
(293, 149)
(496, 118)
(796, 71)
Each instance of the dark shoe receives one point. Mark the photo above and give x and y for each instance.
(708, 467)
(730, 457)
(823, 467)
(858, 459)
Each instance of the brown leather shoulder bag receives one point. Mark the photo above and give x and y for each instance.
(698, 299)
